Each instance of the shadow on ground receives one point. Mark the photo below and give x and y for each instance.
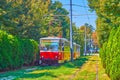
(48, 71)
(55, 71)
(38, 75)
(76, 63)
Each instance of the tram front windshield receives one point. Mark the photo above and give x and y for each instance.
(49, 46)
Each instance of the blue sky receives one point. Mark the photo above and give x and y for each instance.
(82, 10)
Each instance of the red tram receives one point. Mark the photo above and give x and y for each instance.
(55, 50)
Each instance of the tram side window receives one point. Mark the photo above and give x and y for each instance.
(62, 46)
(78, 49)
(66, 46)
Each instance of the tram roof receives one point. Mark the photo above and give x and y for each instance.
(76, 44)
(54, 38)
(57, 38)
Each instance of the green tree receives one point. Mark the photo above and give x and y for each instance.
(108, 28)
(79, 35)
(108, 17)
(24, 18)
(60, 19)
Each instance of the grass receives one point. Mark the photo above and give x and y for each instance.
(83, 68)
(46, 73)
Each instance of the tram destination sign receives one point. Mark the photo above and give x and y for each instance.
(49, 40)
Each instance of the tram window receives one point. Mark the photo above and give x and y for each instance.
(43, 48)
(54, 46)
(51, 46)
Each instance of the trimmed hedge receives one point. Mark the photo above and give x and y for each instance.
(16, 52)
(110, 55)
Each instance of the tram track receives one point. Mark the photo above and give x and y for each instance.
(96, 69)
(91, 64)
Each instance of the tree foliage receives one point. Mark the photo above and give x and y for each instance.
(23, 18)
(108, 30)
(29, 19)
(108, 12)
(110, 54)
(60, 20)
(34, 18)
(79, 35)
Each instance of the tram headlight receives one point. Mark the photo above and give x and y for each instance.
(56, 56)
(59, 53)
(42, 56)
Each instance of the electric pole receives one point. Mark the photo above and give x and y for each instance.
(71, 41)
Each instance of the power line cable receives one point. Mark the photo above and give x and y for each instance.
(75, 5)
(69, 15)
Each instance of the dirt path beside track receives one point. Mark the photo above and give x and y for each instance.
(91, 70)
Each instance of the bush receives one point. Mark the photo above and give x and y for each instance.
(5, 51)
(36, 49)
(15, 52)
(110, 54)
(103, 54)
